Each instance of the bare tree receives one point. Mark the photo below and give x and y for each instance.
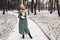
(32, 4)
(51, 6)
(58, 8)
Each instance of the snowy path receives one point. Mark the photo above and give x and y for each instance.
(36, 33)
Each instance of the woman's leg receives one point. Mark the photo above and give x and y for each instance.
(23, 36)
(30, 35)
(28, 32)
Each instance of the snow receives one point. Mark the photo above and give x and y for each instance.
(36, 32)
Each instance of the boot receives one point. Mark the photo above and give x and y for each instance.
(30, 35)
(23, 36)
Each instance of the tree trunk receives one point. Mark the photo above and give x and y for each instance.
(32, 4)
(58, 8)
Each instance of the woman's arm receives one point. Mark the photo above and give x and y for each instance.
(19, 15)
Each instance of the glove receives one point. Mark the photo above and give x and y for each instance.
(22, 17)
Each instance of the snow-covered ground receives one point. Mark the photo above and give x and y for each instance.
(7, 23)
(36, 32)
(49, 23)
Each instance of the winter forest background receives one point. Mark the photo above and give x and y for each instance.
(47, 11)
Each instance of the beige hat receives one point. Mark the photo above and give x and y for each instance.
(22, 6)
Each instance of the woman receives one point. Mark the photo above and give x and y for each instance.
(23, 25)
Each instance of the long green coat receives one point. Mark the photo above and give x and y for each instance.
(23, 24)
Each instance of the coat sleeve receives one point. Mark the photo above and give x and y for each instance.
(19, 15)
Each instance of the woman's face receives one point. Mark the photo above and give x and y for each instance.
(23, 9)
